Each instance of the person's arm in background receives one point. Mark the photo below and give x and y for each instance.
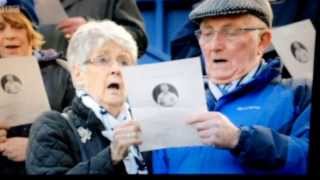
(70, 25)
(123, 12)
(127, 14)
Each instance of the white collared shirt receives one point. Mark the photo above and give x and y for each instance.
(219, 90)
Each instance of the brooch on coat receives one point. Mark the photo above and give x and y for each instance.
(85, 134)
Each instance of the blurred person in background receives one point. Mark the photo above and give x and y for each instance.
(123, 12)
(19, 37)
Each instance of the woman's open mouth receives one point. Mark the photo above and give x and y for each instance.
(114, 86)
(12, 46)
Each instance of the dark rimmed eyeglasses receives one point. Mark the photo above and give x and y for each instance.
(205, 36)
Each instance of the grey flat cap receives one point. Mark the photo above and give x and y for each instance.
(214, 8)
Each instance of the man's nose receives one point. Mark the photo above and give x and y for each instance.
(217, 42)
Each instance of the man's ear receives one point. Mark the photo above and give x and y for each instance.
(265, 41)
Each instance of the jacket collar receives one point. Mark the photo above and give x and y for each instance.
(86, 116)
(271, 73)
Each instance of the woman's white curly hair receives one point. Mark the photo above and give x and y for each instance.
(95, 34)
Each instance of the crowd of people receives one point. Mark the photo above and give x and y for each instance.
(257, 121)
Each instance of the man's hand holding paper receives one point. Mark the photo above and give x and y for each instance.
(215, 129)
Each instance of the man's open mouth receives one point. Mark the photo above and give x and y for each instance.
(219, 60)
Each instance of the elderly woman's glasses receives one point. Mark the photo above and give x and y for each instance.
(228, 33)
(107, 61)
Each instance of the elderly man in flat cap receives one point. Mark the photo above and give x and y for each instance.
(257, 123)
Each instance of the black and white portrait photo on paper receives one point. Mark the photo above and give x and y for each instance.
(165, 95)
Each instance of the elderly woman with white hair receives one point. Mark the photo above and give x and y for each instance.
(96, 135)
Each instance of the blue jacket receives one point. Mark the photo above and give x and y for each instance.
(273, 115)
